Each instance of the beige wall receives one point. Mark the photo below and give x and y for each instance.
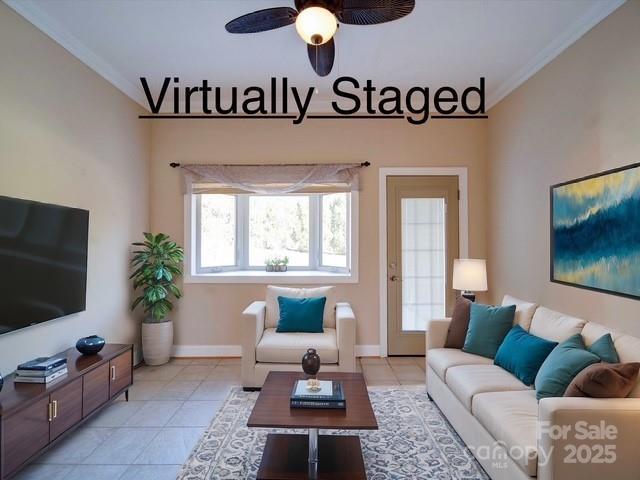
(577, 116)
(209, 314)
(70, 138)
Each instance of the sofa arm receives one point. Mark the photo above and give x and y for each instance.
(346, 332)
(436, 333)
(588, 438)
(252, 329)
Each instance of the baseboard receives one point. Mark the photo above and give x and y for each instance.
(206, 351)
(236, 351)
(367, 350)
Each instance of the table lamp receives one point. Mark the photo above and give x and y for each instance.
(470, 275)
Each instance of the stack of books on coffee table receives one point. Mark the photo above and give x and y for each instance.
(41, 370)
(329, 395)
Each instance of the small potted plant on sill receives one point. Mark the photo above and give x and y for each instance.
(277, 264)
(156, 264)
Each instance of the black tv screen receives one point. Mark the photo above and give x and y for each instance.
(43, 262)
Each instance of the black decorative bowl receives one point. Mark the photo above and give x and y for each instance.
(90, 345)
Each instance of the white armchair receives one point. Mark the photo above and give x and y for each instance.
(265, 350)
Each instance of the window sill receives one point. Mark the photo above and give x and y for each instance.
(261, 276)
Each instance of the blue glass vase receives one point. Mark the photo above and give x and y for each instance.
(90, 345)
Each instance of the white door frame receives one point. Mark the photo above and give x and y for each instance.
(463, 205)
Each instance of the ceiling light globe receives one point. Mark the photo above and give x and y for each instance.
(316, 25)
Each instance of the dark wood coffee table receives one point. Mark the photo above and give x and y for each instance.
(324, 457)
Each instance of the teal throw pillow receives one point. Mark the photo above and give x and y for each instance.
(487, 328)
(603, 347)
(301, 314)
(523, 354)
(561, 366)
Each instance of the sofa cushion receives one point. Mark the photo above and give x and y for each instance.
(466, 381)
(524, 310)
(554, 326)
(272, 314)
(488, 326)
(522, 354)
(441, 359)
(512, 418)
(593, 331)
(628, 349)
(290, 347)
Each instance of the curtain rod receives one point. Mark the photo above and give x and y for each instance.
(175, 165)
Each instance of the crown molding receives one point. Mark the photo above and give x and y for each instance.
(571, 34)
(73, 45)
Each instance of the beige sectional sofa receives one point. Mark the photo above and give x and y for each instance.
(513, 435)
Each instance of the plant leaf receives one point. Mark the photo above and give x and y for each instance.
(136, 302)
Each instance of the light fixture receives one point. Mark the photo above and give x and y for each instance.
(316, 25)
(469, 275)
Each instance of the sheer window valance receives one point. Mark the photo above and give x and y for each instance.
(271, 179)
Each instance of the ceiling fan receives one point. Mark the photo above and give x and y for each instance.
(317, 21)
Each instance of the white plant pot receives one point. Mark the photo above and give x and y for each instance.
(157, 340)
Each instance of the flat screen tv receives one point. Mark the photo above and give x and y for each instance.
(43, 262)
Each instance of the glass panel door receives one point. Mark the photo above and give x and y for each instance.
(422, 242)
(423, 261)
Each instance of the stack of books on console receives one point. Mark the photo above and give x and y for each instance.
(41, 370)
(330, 395)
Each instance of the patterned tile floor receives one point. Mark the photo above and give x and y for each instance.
(149, 437)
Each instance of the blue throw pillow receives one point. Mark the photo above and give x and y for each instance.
(301, 314)
(522, 354)
(487, 328)
(603, 347)
(561, 366)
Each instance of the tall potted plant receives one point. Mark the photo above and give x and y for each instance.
(156, 265)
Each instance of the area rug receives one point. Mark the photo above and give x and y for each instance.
(414, 441)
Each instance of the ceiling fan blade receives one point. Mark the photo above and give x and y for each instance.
(371, 12)
(321, 57)
(262, 20)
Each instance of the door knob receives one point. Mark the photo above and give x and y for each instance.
(394, 278)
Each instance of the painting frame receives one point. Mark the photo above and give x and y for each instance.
(552, 252)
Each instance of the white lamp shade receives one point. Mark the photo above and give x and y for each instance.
(470, 274)
(316, 25)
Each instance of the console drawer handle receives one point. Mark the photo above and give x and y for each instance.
(113, 372)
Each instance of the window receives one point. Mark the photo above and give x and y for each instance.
(217, 230)
(242, 232)
(334, 230)
(279, 227)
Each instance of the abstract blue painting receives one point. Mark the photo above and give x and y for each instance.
(595, 232)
